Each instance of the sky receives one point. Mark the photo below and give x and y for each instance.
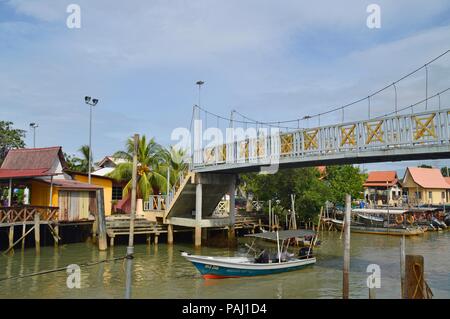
(270, 60)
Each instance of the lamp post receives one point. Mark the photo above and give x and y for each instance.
(199, 83)
(34, 126)
(91, 102)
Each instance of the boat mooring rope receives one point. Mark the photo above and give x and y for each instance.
(62, 269)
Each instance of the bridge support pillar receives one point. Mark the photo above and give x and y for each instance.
(170, 234)
(198, 236)
(198, 214)
(232, 194)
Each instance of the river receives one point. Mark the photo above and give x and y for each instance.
(160, 272)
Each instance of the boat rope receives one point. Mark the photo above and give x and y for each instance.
(61, 269)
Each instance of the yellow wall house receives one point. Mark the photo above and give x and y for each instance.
(425, 186)
(42, 172)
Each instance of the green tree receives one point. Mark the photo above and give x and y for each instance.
(311, 192)
(445, 171)
(344, 179)
(10, 138)
(79, 164)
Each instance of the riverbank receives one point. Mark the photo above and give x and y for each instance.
(160, 271)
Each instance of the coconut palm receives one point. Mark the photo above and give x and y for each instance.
(151, 167)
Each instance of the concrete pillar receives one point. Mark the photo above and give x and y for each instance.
(232, 191)
(198, 236)
(204, 234)
(198, 214)
(170, 234)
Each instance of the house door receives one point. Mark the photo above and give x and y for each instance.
(73, 205)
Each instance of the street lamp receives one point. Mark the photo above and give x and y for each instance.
(199, 83)
(34, 126)
(91, 102)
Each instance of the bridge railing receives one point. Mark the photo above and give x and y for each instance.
(383, 133)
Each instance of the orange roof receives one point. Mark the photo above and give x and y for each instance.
(381, 178)
(447, 179)
(428, 177)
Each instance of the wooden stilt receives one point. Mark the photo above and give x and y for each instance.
(24, 229)
(37, 231)
(11, 237)
(170, 234)
(111, 241)
(149, 239)
(17, 241)
(56, 237)
(156, 239)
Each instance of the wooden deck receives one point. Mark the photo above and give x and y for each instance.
(118, 225)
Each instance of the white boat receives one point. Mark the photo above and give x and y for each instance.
(226, 267)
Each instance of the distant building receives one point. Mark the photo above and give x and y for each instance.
(425, 186)
(106, 166)
(383, 188)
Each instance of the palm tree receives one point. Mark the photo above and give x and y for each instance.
(151, 167)
(84, 160)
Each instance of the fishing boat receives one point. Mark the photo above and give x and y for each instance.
(381, 222)
(262, 263)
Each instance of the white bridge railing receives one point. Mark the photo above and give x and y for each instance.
(384, 133)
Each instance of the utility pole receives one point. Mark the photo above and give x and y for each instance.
(346, 226)
(130, 248)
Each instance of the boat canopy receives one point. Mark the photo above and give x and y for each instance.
(283, 234)
(379, 211)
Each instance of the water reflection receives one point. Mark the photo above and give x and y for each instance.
(160, 272)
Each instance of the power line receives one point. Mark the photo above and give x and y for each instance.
(370, 95)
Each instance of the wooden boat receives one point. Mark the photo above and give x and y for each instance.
(379, 221)
(383, 230)
(228, 267)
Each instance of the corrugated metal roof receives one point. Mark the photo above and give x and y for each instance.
(21, 173)
(33, 159)
(71, 184)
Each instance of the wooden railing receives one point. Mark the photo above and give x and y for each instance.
(25, 214)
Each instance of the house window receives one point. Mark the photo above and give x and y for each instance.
(419, 195)
(117, 193)
(443, 195)
(430, 195)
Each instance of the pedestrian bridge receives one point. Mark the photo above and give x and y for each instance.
(415, 136)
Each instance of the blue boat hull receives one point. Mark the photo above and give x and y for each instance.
(214, 272)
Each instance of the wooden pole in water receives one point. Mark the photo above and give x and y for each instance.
(414, 280)
(345, 288)
(270, 214)
(101, 221)
(130, 248)
(402, 266)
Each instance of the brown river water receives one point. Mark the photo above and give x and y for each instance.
(160, 272)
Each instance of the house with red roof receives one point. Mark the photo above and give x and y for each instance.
(425, 186)
(41, 174)
(383, 188)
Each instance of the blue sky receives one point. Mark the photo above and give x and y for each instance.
(271, 60)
